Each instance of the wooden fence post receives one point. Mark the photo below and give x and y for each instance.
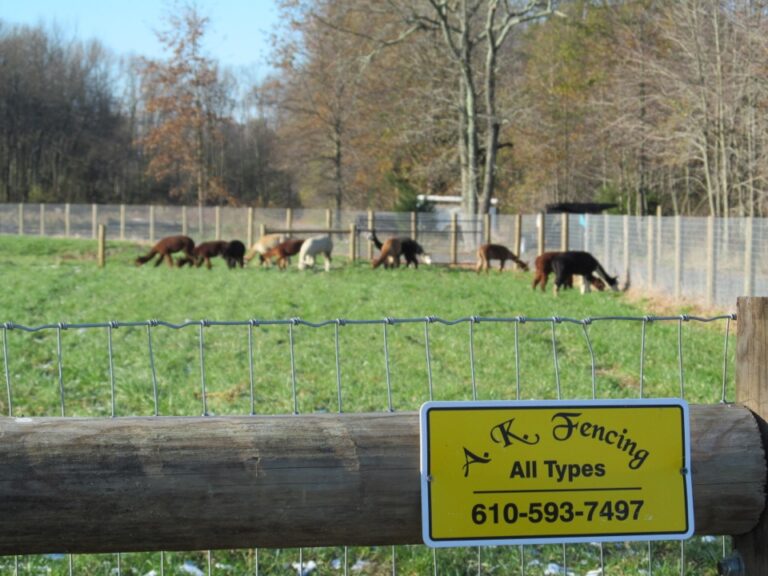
(486, 228)
(415, 225)
(541, 237)
(66, 219)
(122, 221)
(678, 257)
(217, 212)
(650, 253)
(606, 239)
(752, 391)
(152, 223)
(249, 232)
(94, 220)
(184, 221)
(518, 237)
(21, 219)
(749, 267)
(710, 285)
(625, 222)
(371, 227)
(102, 241)
(42, 219)
(289, 220)
(352, 242)
(454, 238)
(564, 232)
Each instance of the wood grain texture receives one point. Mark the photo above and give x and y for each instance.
(172, 483)
(752, 392)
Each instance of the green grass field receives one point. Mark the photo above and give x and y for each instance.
(57, 281)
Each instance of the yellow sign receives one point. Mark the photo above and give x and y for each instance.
(543, 472)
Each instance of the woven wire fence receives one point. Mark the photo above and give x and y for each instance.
(85, 370)
(711, 260)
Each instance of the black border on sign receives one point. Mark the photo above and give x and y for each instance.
(549, 405)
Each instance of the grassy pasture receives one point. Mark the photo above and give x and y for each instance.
(50, 281)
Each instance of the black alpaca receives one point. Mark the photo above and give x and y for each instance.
(409, 249)
(567, 264)
(234, 254)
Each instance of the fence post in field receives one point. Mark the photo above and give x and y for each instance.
(625, 270)
(102, 240)
(587, 222)
(42, 219)
(289, 220)
(564, 231)
(454, 238)
(710, 285)
(540, 237)
(217, 218)
(122, 221)
(352, 241)
(414, 225)
(749, 267)
(752, 391)
(151, 223)
(650, 253)
(21, 219)
(184, 221)
(66, 219)
(249, 232)
(486, 228)
(371, 226)
(94, 220)
(678, 257)
(518, 237)
(659, 224)
(328, 218)
(606, 239)
(200, 221)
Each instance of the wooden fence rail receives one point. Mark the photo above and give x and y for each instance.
(177, 483)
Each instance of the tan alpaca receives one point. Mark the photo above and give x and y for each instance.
(264, 243)
(390, 254)
(488, 252)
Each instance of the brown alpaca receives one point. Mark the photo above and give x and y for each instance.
(543, 268)
(167, 246)
(488, 252)
(203, 253)
(283, 252)
(390, 254)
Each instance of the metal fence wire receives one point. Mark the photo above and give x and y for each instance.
(114, 369)
(712, 260)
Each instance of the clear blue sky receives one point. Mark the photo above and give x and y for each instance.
(237, 35)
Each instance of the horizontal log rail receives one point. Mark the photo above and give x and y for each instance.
(295, 231)
(196, 483)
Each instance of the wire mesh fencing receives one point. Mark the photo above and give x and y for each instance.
(292, 366)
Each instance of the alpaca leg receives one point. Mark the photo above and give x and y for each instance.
(327, 262)
(501, 266)
(162, 257)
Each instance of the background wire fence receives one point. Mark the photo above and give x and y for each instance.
(710, 260)
(156, 368)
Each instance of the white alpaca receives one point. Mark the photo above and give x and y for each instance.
(314, 246)
(265, 243)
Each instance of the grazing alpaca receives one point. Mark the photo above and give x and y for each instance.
(390, 254)
(543, 266)
(409, 249)
(488, 252)
(265, 243)
(283, 252)
(167, 246)
(568, 264)
(314, 246)
(203, 253)
(234, 253)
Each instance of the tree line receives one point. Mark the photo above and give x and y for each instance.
(640, 103)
